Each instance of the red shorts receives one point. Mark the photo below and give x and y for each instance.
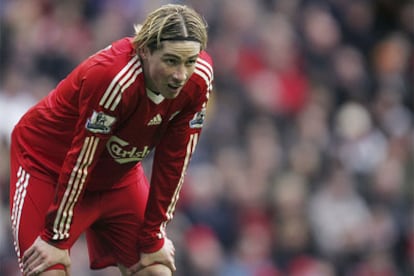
(110, 219)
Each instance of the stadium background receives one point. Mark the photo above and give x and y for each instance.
(305, 166)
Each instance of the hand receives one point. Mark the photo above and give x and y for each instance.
(42, 255)
(163, 256)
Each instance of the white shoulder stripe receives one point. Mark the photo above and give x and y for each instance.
(205, 77)
(206, 64)
(119, 85)
(117, 77)
(119, 81)
(205, 71)
(124, 87)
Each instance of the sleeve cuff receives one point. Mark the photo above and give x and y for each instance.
(59, 244)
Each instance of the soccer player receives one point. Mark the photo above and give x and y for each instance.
(76, 155)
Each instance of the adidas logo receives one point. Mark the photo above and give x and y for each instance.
(156, 120)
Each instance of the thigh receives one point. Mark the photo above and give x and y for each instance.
(30, 199)
(29, 202)
(113, 239)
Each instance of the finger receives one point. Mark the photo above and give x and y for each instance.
(146, 261)
(28, 253)
(30, 260)
(135, 268)
(168, 263)
(172, 267)
(67, 269)
(67, 262)
(30, 268)
(36, 263)
(36, 271)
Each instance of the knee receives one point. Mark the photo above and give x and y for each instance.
(155, 270)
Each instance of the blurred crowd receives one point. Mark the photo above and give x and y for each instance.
(306, 163)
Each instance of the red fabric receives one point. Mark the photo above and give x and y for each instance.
(110, 218)
(91, 131)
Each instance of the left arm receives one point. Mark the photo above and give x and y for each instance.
(171, 160)
(172, 157)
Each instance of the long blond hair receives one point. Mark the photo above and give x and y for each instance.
(170, 22)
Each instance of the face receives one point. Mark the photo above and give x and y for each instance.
(168, 69)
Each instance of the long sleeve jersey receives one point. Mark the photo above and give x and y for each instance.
(96, 126)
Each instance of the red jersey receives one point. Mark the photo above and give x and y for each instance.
(92, 131)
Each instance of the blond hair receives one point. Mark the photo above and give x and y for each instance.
(170, 22)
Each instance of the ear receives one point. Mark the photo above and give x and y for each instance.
(143, 52)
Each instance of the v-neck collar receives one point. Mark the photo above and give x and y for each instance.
(156, 98)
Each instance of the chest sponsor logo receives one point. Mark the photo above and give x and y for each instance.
(123, 152)
(100, 122)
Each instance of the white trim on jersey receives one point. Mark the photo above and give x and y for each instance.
(205, 71)
(120, 83)
(207, 66)
(171, 208)
(18, 201)
(125, 86)
(205, 77)
(77, 179)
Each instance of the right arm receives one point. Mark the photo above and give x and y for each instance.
(93, 128)
(74, 97)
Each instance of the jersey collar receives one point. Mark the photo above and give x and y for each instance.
(156, 98)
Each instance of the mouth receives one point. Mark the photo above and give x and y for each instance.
(174, 86)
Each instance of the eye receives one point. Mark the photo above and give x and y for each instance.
(190, 62)
(170, 61)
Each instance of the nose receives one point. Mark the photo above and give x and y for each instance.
(180, 73)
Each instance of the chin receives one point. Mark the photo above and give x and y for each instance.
(171, 95)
